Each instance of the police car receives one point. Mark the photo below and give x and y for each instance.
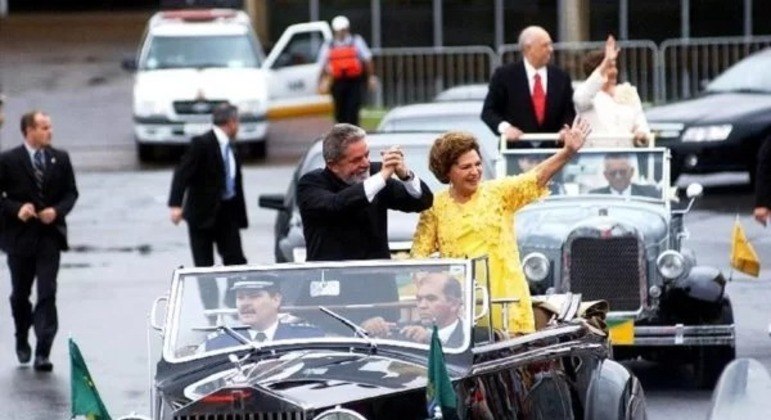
(191, 60)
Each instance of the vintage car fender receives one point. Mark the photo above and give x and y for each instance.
(613, 391)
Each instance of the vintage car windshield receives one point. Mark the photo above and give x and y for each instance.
(630, 173)
(396, 302)
(225, 51)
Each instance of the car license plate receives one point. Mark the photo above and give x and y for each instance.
(621, 331)
(196, 129)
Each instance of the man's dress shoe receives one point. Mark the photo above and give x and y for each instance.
(42, 364)
(23, 351)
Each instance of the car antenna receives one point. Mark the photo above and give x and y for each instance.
(361, 332)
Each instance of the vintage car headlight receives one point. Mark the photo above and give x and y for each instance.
(671, 264)
(339, 414)
(536, 266)
(707, 133)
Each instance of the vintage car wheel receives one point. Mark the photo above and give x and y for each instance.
(711, 360)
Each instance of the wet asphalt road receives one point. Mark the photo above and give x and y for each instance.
(125, 248)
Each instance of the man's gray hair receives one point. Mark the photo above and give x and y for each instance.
(337, 140)
(223, 113)
(527, 35)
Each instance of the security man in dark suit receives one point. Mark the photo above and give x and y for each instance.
(529, 96)
(258, 303)
(38, 191)
(208, 180)
(344, 205)
(762, 210)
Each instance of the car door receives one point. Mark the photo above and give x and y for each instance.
(293, 71)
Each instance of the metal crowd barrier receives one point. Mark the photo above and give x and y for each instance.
(409, 75)
(637, 62)
(686, 64)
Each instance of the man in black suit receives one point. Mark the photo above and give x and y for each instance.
(344, 205)
(762, 211)
(258, 303)
(208, 180)
(38, 191)
(618, 171)
(529, 96)
(440, 301)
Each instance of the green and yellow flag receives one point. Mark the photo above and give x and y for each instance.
(743, 255)
(439, 392)
(85, 399)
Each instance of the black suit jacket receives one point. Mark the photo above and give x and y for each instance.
(763, 175)
(17, 185)
(508, 99)
(339, 223)
(637, 189)
(283, 332)
(199, 181)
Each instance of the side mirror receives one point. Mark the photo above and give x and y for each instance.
(694, 190)
(272, 201)
(129, 64)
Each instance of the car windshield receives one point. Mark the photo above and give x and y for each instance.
(226, 51)
(638, 173)
(395, 302)
(748, 75)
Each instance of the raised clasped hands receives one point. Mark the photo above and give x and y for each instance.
(573, 137)
(393, 163)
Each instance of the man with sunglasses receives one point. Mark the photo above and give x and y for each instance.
(619, 171)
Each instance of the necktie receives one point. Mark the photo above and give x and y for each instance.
(260, 337)
(539, 99)
(230, 181)
(39, 170)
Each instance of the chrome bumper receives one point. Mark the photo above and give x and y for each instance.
(684, 335)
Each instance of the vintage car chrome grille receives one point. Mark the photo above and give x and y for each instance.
(607, 268)
(202, 107)
(286, 415)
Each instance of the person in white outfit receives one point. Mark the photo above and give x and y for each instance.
(609, 107)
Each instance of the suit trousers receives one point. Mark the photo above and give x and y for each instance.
(347, 94)
(25, 268)
(225, 234)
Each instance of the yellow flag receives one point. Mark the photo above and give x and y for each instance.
(743, 255)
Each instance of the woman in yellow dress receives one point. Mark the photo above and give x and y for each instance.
(473, 217)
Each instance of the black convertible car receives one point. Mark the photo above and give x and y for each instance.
(322, 363)
(722, 129)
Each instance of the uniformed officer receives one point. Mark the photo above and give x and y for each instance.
(347, 62)
(258, 303)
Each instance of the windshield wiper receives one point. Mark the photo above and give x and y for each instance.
(361, 332)
(238, 337)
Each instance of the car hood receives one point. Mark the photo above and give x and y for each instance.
(548, 224)
(208, 83)
(714, 108)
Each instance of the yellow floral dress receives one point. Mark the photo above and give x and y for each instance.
(484, 225)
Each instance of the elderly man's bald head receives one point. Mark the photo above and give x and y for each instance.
(536, 46)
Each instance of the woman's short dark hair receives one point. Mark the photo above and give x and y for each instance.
(447, 149)
(592, 60)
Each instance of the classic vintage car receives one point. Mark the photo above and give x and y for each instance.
(288, 229)
(321, 363)
(627, 249)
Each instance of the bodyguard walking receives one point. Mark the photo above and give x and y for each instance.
(208, 180)
(38, 191)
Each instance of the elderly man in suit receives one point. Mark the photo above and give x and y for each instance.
(529, 96)
(344, 205)
(258, 303)
(618, 171)
(440, 301)
(208, 180)
(38, 190)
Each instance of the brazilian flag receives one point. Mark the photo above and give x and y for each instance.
(85, 399)
(440, 396)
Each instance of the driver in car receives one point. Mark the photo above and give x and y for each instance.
(618, 171)
(258, 303)
(440, 299)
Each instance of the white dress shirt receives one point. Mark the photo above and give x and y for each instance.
(626, 193)
(375, 183)
(269, 332)
(223, 140)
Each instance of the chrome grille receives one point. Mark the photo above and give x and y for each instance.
(289, 415)
(607, 268)
(202, 107)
